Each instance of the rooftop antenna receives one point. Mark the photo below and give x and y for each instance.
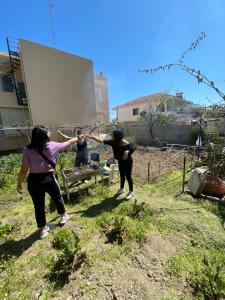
(51, 7)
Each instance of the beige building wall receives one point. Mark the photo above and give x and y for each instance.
(59, 86)
(12, 142)
(101, 98)
(8, 99)
(13, 116)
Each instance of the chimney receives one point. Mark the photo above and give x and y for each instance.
(179, 94)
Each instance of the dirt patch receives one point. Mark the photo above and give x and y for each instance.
(161, 162)
(139, 275)
(9, 202)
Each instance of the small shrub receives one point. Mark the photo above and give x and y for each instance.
(64, 239)
(137, 210)
(69, 258)
(138, 233)
(115, 230)
(5, 229)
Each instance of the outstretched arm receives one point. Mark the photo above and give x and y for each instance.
(94, 139)
(63, 135)
(71, 141)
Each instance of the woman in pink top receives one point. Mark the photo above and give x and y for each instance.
(40, 158)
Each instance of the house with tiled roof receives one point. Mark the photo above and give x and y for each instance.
(170, 105)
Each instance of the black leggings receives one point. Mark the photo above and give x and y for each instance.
(125, 168)
(38, 184)
(81, 158)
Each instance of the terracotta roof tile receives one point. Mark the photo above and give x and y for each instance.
(148, 99)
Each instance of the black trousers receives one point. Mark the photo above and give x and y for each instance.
(81, 158)
(38, 184)
(125, 168)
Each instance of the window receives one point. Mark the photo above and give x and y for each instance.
(6, 83)
(135, 111)
(98, 94)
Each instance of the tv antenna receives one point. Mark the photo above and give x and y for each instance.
(52, 21)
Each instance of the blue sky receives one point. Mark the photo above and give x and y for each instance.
(122, 36)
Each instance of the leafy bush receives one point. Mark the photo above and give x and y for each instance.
(69, 246)
(9, 165)
(120, 228)
(114, 229)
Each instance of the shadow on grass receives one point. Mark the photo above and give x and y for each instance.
(12, 248)
(107, 205)
(63, 268)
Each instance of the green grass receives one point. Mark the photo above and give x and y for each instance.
(158, 208)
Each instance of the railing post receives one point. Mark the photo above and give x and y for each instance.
(184, 166)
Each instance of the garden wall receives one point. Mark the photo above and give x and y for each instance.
(174, 134)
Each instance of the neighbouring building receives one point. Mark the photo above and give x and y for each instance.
(176, 107)
(43, 85)
(101, 97)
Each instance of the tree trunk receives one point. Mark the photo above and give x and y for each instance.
(151, 132)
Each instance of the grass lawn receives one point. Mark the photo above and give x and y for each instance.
(159, 245)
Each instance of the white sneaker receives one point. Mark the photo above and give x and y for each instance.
(129, 195)
(64, 219)
(44, 232)
(119, 192)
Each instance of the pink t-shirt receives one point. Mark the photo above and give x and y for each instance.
(36, 163)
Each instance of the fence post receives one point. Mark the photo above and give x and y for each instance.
(184, 166)
(148, 172)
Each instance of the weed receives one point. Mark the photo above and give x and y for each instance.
(64, 239)
(115, 230)
(6, 261)
(204, 269)
(208, 281)
(100, 190)
(6, 229)
(137, 210)
(69, 246)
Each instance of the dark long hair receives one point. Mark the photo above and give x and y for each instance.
(79, 131)
(39, 138)
(118, 136)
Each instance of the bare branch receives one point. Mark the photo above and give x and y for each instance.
(201, 78)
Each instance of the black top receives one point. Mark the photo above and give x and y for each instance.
(118, 150)
(81, 146)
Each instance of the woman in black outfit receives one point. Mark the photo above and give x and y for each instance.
(82, 151)
(122, 151)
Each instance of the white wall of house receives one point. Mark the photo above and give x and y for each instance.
(130, 113)
(171, 108)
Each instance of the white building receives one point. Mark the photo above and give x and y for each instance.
(175, 106)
